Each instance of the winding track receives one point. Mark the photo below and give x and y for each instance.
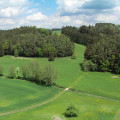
(57, 96)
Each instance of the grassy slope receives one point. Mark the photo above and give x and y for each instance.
(90, 108)
(57, 32)
(69, 72)
(17, 94)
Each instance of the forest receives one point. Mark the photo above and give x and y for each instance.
(103, 45)
(34, 42)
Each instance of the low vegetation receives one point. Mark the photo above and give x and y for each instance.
(1, 70)
(71, 111)
(46, 75)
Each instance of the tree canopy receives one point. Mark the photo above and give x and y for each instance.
(103, 45)
(34, 42)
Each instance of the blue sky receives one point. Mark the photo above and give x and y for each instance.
(57, 13)
(47, 7)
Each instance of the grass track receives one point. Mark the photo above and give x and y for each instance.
(19, 94)
(90, 108)
(70, 74)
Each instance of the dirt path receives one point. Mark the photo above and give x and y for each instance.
(34, 106)
(57, 96)
(22, 58)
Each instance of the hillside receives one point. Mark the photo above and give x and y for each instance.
(96, 96)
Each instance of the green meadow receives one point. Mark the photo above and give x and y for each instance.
(19, 94)
(57, 32)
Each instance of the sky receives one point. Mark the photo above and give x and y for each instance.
(57, 13)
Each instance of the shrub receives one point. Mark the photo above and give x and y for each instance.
(34, 71)
(52, 53)
(16, 53)
(1, 70)
(44, 76)
(25, 71)
(31, 71)
(11, 72)
(71, 111)
(17, 73)
(89, 66)
(49, 75)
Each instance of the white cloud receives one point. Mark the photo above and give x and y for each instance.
(37, 17)
(106, 18)
(8, 12)
(16, 13)
(71, 6)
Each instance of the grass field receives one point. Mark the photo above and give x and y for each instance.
(70, 75)
(57, 32)
(90, 108)
(17, 94)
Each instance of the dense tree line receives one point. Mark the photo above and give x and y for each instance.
(34, 42)
(103, 45)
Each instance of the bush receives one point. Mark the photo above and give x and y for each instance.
(52, 53)
(89, 66)
(11, 72)
(16, 53)
(49, 75)
(17, 73)
(71, 111)
(31, 71)
(25, 71)
(34, 72)
(44, 76)
(1, 70)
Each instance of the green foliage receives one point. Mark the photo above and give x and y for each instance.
(25, 71)
(34, 72)
(71, 111)
(117, 65)
(74, 56)
(49, 75)
(34, 42)
(102, 41)
(17, 73)
(11, 72)
(1, 50)
(44, 76)
(52, 53)
(1, 70)
(16, 53)
(89, 66)
(105, 66)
